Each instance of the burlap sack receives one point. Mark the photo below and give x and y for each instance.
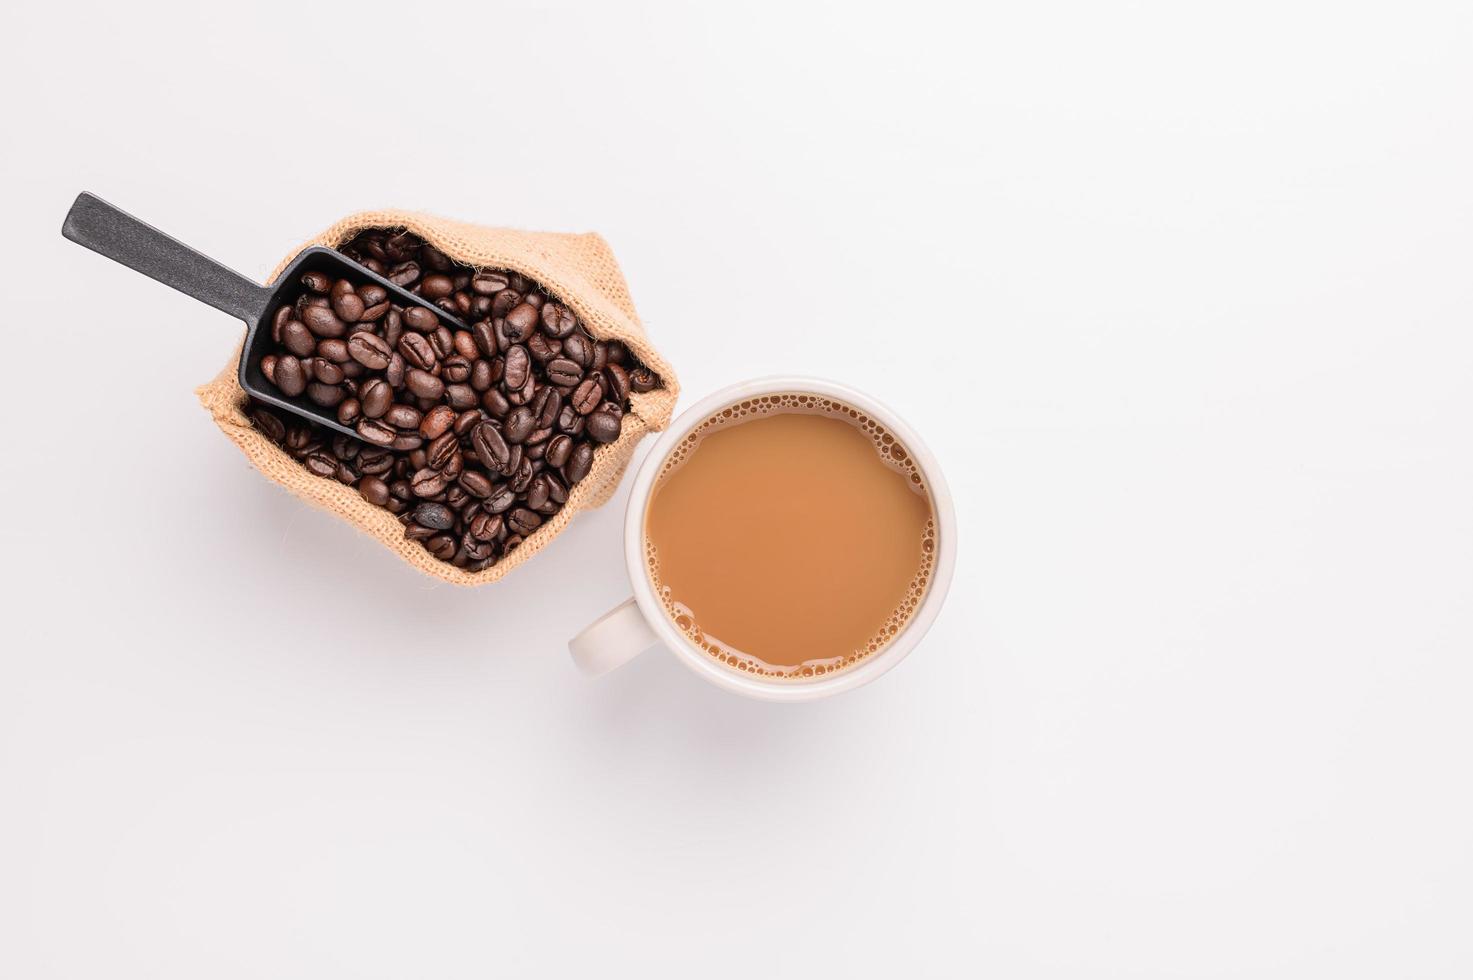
(579, 271)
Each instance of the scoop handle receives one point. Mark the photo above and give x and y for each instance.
(93, 223)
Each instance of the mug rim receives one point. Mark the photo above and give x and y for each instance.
(871, 666)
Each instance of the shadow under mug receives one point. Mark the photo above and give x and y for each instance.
(640, 622)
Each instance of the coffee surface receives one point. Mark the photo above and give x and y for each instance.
(790, 536)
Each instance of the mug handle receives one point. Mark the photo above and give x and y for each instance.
(612, 640)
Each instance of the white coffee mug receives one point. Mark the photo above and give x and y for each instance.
(640, 622)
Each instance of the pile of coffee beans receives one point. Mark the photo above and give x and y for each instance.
(473, 437)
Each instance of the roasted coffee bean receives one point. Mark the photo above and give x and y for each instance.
(500, 500)
(394, 373)
(559, 448)
(269, 424)
(465, 422)
(499, 343)
(521, 320)
(587, 395)
(404, 274)
(617, 380)
(323, 322)
(317, 282)
(376, 396)
(442, 546)
(372, 294)
(278, 320)
(428, 482)
(298, 339)
(564, 371)
(423, 384)
(374, 490)
(406, 441)
(600, 356)
(542, 348)
(519, 424)
(418, 351)
(523, 521)
(558, 320)
(476, 483)
(546, 406)
(326, 396)
(268, 368)
(578, 348)
(335, 351)
(603, 427)
(455, 369)
(290, 376)
(370, 350)
(579, 463)
(461, 397)
(442, 341)
(503, 302)
(311, 447)
(490, 447)
(485, 527)
(481, 378)
(475, 550)
(485, 336)
(518, 369)
(373, 431)
(441, 449)
(437, 516)
(321, 464)
(350, 411)
(537, 494)
(436, 286)
(495, 403)
(556, 492)
(523, 395)
(458, 500)
(420, 319)
(437, 421)
(348, 306)
(513, 461)
(465, 345)
(393, 326)
(326, 371)
(375, 460)
(643, 379)
(417, 532)
(521, 471)
(403, 417)
(487, 283)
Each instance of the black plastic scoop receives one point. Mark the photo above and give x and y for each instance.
(96, 224)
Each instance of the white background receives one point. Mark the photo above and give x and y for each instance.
(1179, 293)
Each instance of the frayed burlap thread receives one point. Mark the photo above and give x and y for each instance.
(577, 270)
